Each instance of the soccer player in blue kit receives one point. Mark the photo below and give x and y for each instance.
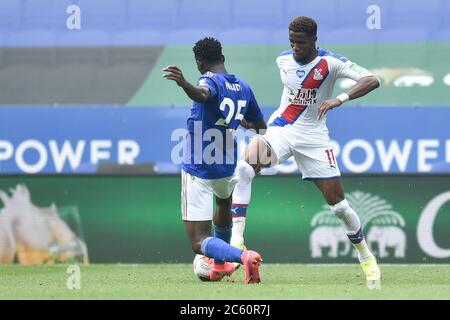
(221, 102)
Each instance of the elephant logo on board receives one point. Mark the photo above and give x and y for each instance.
(329, 237)
(382, 226)
(387, 237)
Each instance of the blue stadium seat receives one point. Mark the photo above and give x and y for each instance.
(10, 11)
(83, 38)
(160, 14)
(195, 14)
(3, 37)
(323, 11)
(348, 36)
(441, 34)
(406, 34)
(138, 38)
(102, 14)
(244, 36)
(46, 14)
(279, 36)
(253, 13)
(416, 14)
(444, 19)
(32, 38)
(187, 36)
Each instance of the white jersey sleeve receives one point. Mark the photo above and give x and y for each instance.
(350, 70)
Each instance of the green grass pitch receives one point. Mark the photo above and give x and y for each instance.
(177, 281)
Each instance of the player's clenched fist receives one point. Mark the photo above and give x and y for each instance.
(174, 73)
(328, 105)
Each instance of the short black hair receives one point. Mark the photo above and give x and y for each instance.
(209, 50)
(304, 24)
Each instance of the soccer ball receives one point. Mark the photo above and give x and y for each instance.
(202, 267)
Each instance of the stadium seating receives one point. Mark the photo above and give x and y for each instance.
(279, 36)
(416, 14)
(32, 38)
(442, 34)
(140, 37)
(353, 14)
(83, 37)
(159, 22)
(2, 39)
(403, 34)
(257, 14)
(216, 15)
(244, 36)
(444, 10)
(324, 12)
(348, 35)
(152, 14)
(49, 14)
(187, 36)
(103, 13)
(10, 12)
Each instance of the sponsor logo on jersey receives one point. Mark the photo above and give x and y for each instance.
(304, 97)
(300, 73)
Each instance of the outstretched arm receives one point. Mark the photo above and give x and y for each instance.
(361, 88)
(196, 93)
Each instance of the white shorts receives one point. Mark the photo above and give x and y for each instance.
(314, 157)
(197, 195)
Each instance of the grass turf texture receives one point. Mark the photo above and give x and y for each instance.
(177, 281)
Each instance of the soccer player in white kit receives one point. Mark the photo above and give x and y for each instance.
(297, 128)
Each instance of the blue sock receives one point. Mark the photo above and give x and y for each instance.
(357, 237)
(223, 233)
(218, 249)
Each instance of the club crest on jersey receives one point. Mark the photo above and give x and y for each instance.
(300, 73)
(318, 74)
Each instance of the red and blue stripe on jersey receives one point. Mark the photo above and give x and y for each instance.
(293, 111)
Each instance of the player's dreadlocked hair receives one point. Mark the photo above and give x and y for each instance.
(209, 50)
(304, 24)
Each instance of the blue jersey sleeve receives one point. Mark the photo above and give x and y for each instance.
(209, 83)
(253, 113)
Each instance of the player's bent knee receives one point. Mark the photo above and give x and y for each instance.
(258, 154)
(245, 172)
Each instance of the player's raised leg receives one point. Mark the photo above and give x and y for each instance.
(333, 193)
(257, 155)
(241, 199)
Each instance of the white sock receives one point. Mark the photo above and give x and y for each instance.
(237, 233)
(241, 198)
(364, 253)
(352, 224)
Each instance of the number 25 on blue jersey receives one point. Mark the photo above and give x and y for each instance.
(231, 111)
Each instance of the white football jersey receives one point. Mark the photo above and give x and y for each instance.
(307, 86)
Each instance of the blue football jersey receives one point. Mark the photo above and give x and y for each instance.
(211, 150)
